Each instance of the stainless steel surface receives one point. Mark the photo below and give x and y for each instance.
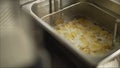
(116, 31)
(85, 10)
(112, 5)
(24, 2)
(55, 5)
(116, 1)
(42, 8)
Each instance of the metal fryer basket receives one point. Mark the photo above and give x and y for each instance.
(84, 9)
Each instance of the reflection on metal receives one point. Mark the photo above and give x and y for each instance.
(55, 5)
(112, 5)
(116, 1)
(115, 33)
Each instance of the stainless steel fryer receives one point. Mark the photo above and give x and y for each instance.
(86, 9)
(91, 11)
